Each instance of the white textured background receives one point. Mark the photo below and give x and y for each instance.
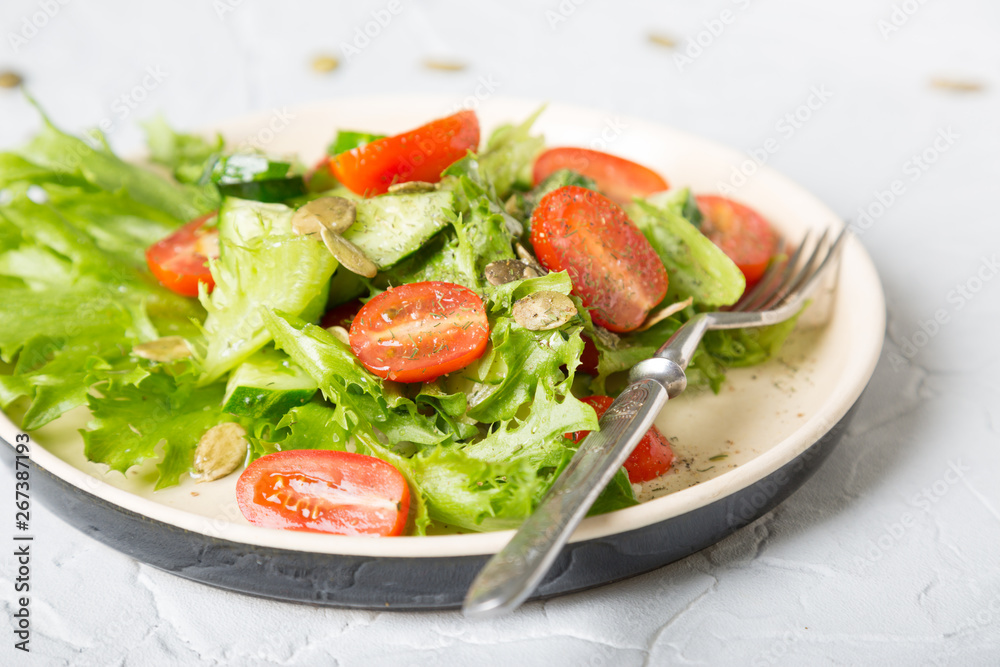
(884, 557)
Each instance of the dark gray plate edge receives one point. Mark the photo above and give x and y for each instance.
(413, 583)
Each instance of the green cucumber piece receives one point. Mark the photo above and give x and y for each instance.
(271, 190)
(244, 167)
(391, 227)
(267, 385)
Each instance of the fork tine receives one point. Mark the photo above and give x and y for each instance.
(788, 274)
(762, 285)
(796, 277)
(807, 278)
(809, 266)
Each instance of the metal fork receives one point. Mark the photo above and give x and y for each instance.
(513, 574)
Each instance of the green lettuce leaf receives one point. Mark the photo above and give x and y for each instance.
(132, 420)
(695, 266)
(262, 264)
(188, 156)
(509, 156)
(98, 166)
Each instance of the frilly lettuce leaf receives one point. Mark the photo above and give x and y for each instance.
(262, 264)
(509, 156)
(132, 419)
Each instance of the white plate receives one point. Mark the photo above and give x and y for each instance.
(763, 418)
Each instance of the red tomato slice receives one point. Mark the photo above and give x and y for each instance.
(618, 178)
(651, 457)
(742, 233)
(180, 261)
(614, 270)
(420, 331)
(418, 155)
(321, 491)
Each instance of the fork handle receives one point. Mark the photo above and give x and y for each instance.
(512, 574)
(516, 570)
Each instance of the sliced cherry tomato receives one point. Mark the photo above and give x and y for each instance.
(614, 270)
(420, 331)
(651, 457)
(618, 178)
(418, 155)
(341, 316)
(180, 261)
(322, 491)
(742, 233)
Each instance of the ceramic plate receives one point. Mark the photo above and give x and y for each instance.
(739, 453)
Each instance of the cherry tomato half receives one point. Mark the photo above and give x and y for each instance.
(618, 178)
(420, 331)
(323, 491)
(418, 155)
(180, 261)
(651, 457)
(614, 270)
(740, 232)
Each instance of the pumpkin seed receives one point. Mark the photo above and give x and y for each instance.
(412, 187)
(505, 271)
(335, 213)
(164, 350)
(325, 64)
(341, 334)
(530, 259)
(220, 451)
(10, 79)
(544, 310)
(665, 312)
(349, 255)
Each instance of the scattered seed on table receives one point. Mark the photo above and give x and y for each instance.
(10, 79)
(325, 64)
(660, 39)
(444, 65)
(956, 85)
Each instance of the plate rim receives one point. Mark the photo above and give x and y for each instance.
(470, 544)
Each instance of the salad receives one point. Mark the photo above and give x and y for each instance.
(412, 335)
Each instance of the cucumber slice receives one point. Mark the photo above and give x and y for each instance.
(391, 227)
(271, 190)
(266, 386)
